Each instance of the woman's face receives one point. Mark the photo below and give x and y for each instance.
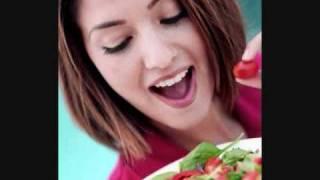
(152, 55)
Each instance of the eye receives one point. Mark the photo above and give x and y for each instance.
(174, 19)
(117, 48)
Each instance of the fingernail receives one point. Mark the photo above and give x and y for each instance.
(245, 56)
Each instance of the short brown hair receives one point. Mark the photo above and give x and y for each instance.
(110, 119)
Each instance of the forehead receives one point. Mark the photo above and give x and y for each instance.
(89, 6)
(90, 12)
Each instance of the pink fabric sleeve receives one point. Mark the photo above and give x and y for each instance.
(123, 172)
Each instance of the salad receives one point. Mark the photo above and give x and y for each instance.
(208, 162)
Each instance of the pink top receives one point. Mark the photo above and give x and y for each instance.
(247, 110)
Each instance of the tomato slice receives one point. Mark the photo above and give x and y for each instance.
(258, 160)
(222, 177)
(212, 164)
(246, 69)
(185, 174)
(252, 175)
(225, 170)
(223, 174)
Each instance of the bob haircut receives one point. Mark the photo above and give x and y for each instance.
(110, 119)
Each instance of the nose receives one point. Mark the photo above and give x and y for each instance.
(158, 51)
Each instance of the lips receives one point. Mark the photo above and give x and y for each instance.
(177, 91)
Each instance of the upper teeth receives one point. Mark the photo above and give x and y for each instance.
(172, 81)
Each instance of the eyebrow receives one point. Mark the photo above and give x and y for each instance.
(106, 25)
(117, 22)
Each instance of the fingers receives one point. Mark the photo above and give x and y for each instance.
(252, 53)
(254, 82)
(253, 47)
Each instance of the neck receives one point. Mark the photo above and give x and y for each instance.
(217, 127)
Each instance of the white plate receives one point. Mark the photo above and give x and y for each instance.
(246, 144)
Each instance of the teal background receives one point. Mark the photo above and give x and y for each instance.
(81, 158)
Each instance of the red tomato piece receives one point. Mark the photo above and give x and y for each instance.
(185, 174)
(212, 164)
(246, 69)
(258, 160)
(252, 175)
(222, 177)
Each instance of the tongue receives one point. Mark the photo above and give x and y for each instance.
(176, 91)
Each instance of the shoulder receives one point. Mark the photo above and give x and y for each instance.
(123, 172)
(248, 109)
(158, 158)
(248, 98)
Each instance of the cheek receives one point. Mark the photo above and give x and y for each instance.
(194, 43)
(122, 72)
(120, 77)
(201, 57)
(200, 53)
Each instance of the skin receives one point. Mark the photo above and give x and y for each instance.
(253, 47)
(155, 49)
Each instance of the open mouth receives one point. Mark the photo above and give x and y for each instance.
(177, 91)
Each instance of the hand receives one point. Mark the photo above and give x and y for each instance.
(252, 53)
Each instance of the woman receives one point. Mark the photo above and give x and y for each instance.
(153, 78)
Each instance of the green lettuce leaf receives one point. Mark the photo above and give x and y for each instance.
(202, 177)
(233, 156)
(164, 176)
(199, 155)
(246, 165)
(234, 176)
